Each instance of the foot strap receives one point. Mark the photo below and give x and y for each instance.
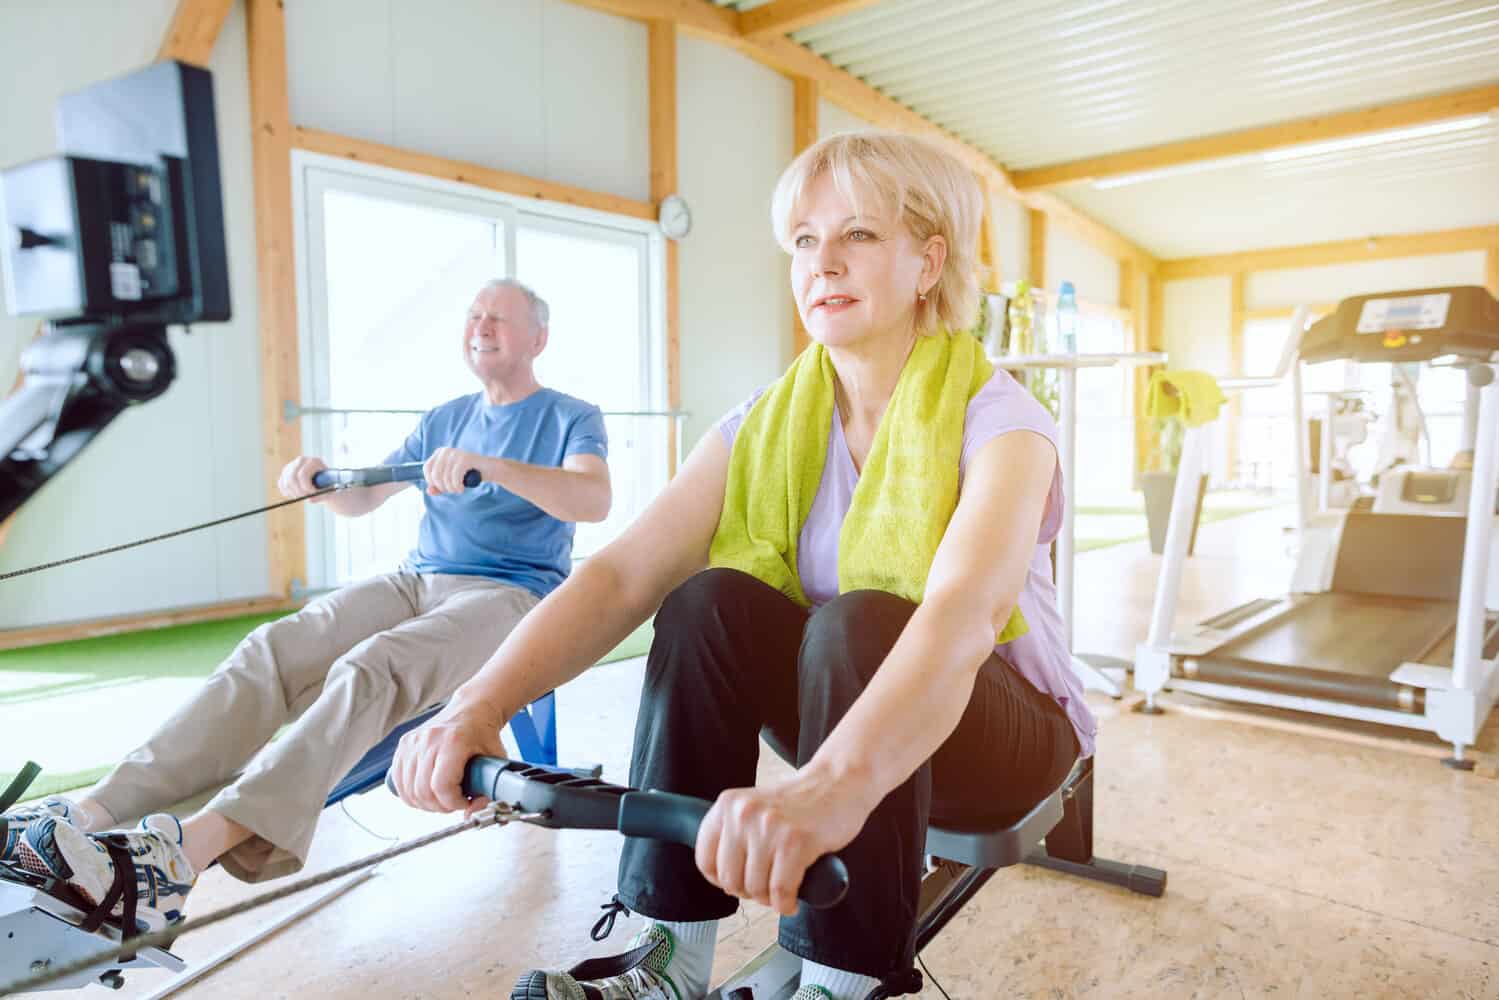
(612, 965)
(123, 886)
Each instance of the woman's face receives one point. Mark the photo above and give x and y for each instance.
(856, 277)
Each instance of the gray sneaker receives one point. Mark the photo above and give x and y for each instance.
(54, 848)
(14, 823)
(638, 974)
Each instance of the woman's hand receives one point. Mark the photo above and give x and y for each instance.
(757, 843)
(429, 762)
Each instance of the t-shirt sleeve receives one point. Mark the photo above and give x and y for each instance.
(414, 449)
(1004, 405)
(730, 423)
(587, 435)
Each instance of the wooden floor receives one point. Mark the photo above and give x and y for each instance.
(1303, 861)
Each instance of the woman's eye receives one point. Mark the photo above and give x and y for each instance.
(802, 242)
(860, 235)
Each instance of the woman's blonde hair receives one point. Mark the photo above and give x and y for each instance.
(928, 190)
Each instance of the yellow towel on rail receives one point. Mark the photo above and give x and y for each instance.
(1193, 396)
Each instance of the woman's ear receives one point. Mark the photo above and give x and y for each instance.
(933, 257)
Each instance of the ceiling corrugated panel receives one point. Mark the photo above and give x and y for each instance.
(1446, 181)
(1034, 82)
(1038, 82)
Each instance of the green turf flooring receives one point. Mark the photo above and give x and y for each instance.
(66, 668)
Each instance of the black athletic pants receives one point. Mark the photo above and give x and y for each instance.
(732, 654)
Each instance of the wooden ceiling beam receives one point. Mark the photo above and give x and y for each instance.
(1338, 252)
(703, 18)
(194, 30)
(782, 17)
(1264, 138)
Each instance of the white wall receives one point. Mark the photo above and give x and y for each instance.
(734, 118)
(1013, 220)
(194, 453)
(543, 88)
(1094, 274)
(832, 119)
(1329, 284)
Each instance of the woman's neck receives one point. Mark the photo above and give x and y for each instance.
(865, 376)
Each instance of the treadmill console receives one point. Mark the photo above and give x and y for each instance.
(1461, 321)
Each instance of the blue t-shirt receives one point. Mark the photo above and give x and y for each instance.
(487, 530)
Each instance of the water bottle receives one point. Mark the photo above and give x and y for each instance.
(1066, 319)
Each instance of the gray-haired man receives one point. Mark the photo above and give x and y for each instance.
(349, 668)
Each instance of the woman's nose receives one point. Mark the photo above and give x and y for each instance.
(826, 260)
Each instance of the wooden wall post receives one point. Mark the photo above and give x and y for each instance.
(1036, 266)
(663, 123)
(805, 94)
(1235, 423)
(270, 119)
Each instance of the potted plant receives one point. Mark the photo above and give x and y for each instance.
(1158, 483)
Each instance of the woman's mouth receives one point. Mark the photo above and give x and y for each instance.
(834, 303)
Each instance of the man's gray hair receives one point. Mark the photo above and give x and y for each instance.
(540, 311)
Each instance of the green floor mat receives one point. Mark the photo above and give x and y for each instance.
(68, 668)
(55, 784)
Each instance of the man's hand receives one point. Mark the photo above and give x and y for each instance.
(428, 766)
(757, 843)
(296, 478)
(444, 471)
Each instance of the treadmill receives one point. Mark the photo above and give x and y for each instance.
(1399, 631)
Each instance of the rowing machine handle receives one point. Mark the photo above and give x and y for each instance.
(676, 818)
(408, 472)
(570, 801)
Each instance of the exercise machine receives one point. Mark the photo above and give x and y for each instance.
(1388, 618)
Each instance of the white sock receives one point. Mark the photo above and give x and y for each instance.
(839, 984)
(691, 963)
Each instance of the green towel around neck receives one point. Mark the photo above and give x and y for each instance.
(1194, 396)
(906, 493)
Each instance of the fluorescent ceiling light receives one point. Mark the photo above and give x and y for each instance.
(1375, 139)
(1175, 170)
(1293, 152)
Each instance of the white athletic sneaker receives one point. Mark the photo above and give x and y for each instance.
(639, 974)
(55, 848)
(17, 820)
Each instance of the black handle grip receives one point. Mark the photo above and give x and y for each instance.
(570, 800)
(676, 818)
(407, 472)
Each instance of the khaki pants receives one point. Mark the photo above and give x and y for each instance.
(344, 672)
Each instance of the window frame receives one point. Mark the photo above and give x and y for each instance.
(313, 174)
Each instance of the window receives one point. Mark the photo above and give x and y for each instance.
(391, 263)
(1267, 444)
(1105, 414)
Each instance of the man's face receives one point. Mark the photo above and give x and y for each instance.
(499, 338)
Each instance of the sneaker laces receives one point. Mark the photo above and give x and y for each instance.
(605, 924)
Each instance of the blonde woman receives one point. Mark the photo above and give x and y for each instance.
(877, 596)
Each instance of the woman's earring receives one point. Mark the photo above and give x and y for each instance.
(921, 297)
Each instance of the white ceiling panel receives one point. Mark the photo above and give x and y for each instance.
(1035, 82)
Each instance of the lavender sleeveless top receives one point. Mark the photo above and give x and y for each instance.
(1001, 406)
